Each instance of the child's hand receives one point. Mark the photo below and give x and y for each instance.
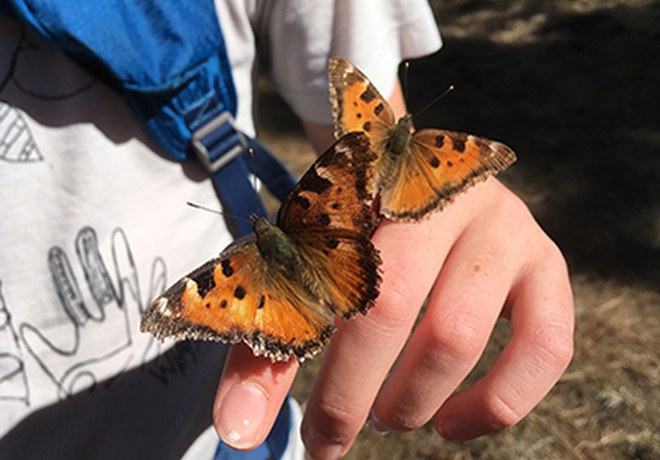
(482, 257)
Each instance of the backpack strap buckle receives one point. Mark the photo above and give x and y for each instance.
(218, 142)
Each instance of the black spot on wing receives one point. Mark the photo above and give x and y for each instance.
(458, 142)
(332, 243)
(434, 162)
(239, 292)
(324, 220)
(262, 302)
(312, 182)
(335, 156)
(379, 108)
(367, 126)
(439, 141)
(223, 303)
(368, 94)
(301, 201)
(203, 276)
(227, 269)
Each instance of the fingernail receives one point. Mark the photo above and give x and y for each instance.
(241, 414)
(375, 425)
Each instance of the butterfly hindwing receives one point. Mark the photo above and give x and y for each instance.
(440, 165)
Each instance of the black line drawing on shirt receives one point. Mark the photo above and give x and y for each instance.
(16, 142)
(116, 303)
(25, 44)
(13, 381)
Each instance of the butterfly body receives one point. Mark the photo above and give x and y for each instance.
(275, 248)
(417, 171)
(281, 292)
(398, 138)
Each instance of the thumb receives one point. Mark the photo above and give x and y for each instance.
(249, 397)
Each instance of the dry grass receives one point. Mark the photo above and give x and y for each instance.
(573, 87)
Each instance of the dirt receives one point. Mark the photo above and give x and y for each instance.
(573, 87)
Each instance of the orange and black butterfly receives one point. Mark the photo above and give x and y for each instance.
(280, 293)
(416, 171)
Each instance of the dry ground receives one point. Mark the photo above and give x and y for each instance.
(574, 88)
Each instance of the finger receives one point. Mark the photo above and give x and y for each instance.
(448, 341)
(538, 352)
(126, 274)
(95, 271)
(363, 350)
(157, 281)
(249, 397)
(67, 286)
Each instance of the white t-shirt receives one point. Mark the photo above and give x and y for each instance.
(95, 225)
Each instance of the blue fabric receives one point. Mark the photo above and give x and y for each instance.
(168, 56)
(169, 59)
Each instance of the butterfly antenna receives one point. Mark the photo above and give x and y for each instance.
(255, 184)
(215, 211)
(406, 71)
(449, 89)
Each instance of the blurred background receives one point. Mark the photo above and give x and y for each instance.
(573, 86)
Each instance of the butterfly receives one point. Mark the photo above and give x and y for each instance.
(280, 293)
(416, 171)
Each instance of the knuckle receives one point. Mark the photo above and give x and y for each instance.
(551, 253)
(501, 413)
(554, 345)
(510, 206)
(395, 309)
(458, 337)
(338, 422)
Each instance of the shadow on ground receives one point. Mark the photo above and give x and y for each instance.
(577, 98)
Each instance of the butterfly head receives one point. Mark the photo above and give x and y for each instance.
(400, 135)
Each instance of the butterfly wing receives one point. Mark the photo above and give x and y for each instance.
(436, 167)
(356, 103)
(231, 299)
(328, 216)
(242, 296)
(428, 168)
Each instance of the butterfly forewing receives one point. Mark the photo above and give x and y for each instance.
(329, 217)
(356, 103)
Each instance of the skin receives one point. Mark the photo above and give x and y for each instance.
(483, 257)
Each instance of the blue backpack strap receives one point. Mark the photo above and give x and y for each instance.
(169, 59)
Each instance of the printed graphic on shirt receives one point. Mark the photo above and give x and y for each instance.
(94, 304)
(16, 142)
(13, 381)
(98, 297)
